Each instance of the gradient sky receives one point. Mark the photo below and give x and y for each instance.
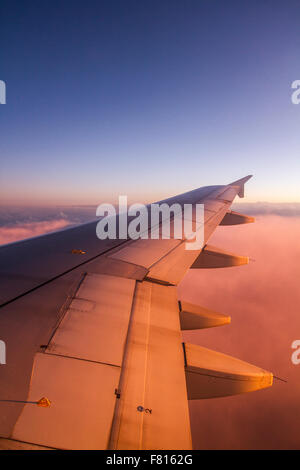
(147, 99)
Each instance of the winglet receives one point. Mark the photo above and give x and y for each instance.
(240, 184)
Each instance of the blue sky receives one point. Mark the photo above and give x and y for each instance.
(148, 99)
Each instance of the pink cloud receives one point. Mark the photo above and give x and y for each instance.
(10, 234)
(263, 299)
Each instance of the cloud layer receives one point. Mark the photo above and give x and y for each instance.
(19, 223)
(285, 209)
(263, 299)
(29, 229)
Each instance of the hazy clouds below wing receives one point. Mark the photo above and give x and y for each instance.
(286, 209)
(263, 300)
(29, 229)
(17, 223)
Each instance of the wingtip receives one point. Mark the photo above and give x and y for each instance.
(240, 185)
(241, 181)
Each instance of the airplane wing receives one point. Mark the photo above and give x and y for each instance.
(92, 336)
